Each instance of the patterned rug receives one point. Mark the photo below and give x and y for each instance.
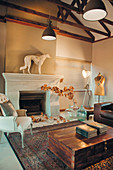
(36, 156)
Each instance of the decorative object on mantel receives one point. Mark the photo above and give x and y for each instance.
(37, 59)
(99, 86)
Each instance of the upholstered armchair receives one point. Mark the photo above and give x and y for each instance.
(13, 120)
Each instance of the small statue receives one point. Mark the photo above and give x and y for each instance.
(37, 59)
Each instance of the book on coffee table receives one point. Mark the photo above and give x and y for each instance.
(86, 131)
(101, 128)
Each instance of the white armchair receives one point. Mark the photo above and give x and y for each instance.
(10, 122)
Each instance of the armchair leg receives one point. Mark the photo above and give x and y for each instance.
(22, 137)
(1, 133)
(7, 134)
(31, 129)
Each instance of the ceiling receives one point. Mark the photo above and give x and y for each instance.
(69, 14)
(96, 30)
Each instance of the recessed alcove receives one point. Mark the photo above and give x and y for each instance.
(33, 101)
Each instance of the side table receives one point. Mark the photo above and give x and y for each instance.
(90, 111)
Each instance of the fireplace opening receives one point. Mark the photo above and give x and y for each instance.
(33, 102)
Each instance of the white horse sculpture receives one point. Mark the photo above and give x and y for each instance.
(38, 60)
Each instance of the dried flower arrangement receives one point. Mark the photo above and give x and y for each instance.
(67, 92)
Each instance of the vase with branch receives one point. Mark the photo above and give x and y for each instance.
(68, 93)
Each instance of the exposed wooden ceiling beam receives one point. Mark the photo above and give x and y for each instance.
(61, 13)
(27, 22)
(79, 5)
(2, 19)
(105, 27)
(17, 7)
(64, 5)
(107, 21)
(79, 22)
(84, 2)
(72, 35)
(67, 11)
(111, 1)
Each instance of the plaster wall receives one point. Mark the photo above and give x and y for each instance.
(72, 56)
(102, 61)
(2, 54)
(22, 40)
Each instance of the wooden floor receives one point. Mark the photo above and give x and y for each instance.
(77, 151)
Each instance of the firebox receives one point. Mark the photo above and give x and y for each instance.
(33, 102)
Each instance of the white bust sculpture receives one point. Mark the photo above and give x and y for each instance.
(37, 59)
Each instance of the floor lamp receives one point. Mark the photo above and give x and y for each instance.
(86, 74)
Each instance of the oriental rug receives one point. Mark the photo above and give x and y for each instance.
(36, 156)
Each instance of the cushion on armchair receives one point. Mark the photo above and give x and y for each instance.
(108, 114)
(107, 106)
(8, 109)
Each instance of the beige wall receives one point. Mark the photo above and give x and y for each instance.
(102, 61)
(2, 53)
(71, 57)
(22, 40)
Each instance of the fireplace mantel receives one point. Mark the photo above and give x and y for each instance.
(29, 77)
(16, 82)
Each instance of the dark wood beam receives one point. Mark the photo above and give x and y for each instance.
(28, 22)
(111, 1)
(31, 23)
(84, 2)
(107, 21)
(2, 19)
(103, 39)
(17, 7)
(79, 22)
(106, 28)
(79, 5)
(61, 13)
(68, 11)
(64, 5)
(76, 36)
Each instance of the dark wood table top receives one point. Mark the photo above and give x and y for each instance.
(73, 141)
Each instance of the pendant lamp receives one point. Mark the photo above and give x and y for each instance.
(94, 10)
(49, 33)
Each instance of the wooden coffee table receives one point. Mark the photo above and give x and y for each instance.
(78, 152)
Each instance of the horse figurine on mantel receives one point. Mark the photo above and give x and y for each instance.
(37, 59)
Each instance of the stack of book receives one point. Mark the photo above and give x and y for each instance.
(86, 131)
(101, 128)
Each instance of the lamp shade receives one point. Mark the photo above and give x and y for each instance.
(95, 10)
(86, 73)
(49, 33)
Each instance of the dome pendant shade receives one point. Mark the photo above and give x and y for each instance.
(49, 33)
(95, 10)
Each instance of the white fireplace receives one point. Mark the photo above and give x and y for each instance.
(16, 82)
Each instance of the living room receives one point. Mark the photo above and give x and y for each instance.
(73, 50)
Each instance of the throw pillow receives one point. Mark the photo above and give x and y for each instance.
(107, 107)
(8, 109)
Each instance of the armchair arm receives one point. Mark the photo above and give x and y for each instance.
(21, 112)
(98, 108)
(8, 123)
